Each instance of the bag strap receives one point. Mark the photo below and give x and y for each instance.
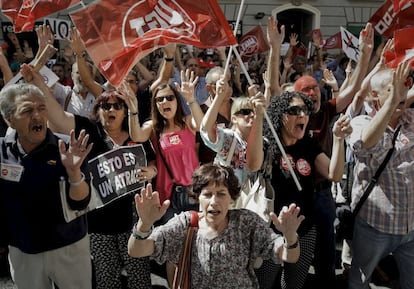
(164, 161)
(374, 179)
(194, 219)
(182, 271)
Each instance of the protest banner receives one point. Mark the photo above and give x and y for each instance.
(116, 172)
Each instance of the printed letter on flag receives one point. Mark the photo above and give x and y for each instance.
(385, 20)
(403, 47)
(24, 13)
(252, 43)
(117, 33)
(350, 44)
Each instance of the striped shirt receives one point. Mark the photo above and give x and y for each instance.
(390, 206)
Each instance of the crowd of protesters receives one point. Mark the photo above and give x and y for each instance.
(190, 112)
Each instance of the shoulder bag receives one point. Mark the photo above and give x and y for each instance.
(346, 218)
(182, 274)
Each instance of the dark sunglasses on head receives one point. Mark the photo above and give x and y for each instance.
(160, 99)
(115, 105)
(297, 110)
(245, 111)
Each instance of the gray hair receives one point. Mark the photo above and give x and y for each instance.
(10, 94)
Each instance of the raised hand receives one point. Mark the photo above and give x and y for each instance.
(293, 39)
(274, 37)
(73, 156)
(148, 206)
(188, 83)
(366, 40)
(128, 95)
(76, 42)
(329, 79)
(44, 36)
(342, 127)
(288, 221)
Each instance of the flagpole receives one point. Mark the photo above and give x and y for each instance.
(226, 68)
(279, 144)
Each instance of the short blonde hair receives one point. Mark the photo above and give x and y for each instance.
(239, 103)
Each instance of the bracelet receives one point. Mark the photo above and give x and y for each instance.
(138, 235)
(75, 184)
(169, 59)
(190, 103)
(292, 246)
(132, 113)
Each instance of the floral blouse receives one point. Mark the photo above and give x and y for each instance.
(225, 261)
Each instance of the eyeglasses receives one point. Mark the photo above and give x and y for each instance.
(297, 110)
(115, 105)
(244, 111)
(160, 99)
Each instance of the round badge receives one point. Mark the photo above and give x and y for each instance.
(284, 164)
(303, 167)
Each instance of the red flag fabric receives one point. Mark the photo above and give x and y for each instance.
(403, 47)
(385, 20)
(399, 4)
(332, 42)
(252, 43)
(24, 13)
(117, 33)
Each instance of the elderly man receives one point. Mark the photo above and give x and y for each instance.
(35, 165)
(384, 224)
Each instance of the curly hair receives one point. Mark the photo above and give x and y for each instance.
(277, 107)
(217, 174)
(158, 121)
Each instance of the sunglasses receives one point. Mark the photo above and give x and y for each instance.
(297, 110)
(160, 99)
(244, 111)
(115, 105)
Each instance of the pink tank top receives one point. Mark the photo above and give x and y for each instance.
(179, 152)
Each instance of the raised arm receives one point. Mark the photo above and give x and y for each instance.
(209, 120)
(358, 100)
(366, 45)
(254, 153)
(83, 67)
(332, 169)
(275, 39)
(397, 94)
(146, 74)
(167, 66)
(187, 90)
(5, 68)
(149, 211)
(136, 132)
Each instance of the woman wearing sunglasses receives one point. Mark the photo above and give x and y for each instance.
(173, 137)
(230, 143)
(289, 115)
(110, 225)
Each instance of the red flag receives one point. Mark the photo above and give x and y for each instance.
(399, 4)
(316, 33)
(385, 20)
(403, 47)
(24, 13)
(117, 33)
(335, 41)
(252, 43)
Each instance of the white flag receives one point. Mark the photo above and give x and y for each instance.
(350, 44)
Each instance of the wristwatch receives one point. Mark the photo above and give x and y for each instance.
(140, 235)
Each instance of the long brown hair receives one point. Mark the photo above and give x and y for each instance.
(158, 121)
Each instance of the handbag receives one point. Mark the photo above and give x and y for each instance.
(182, 274)
(260, 196)
(346, 217)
